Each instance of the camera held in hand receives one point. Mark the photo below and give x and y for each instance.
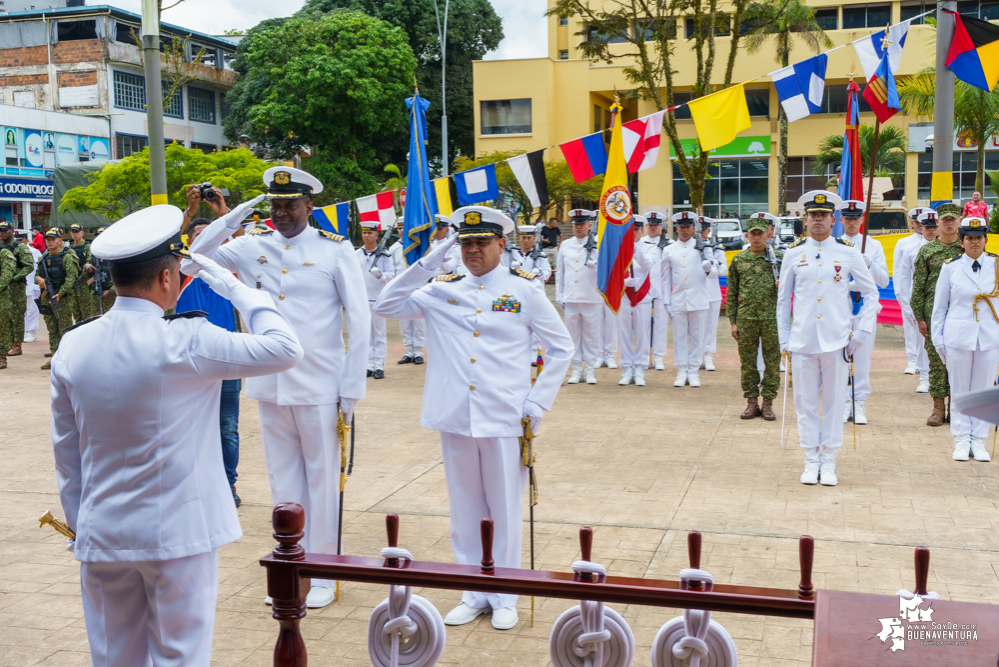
(207, 191)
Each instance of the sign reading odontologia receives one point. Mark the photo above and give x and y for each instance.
(25, 188)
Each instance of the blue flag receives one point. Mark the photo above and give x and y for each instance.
(476, 185)
(334, 218)
(421, 200)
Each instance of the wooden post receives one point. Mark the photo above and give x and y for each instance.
(694, 556)
(870, 185)
(586, 549)
(392, 528)
(285, 586)
(806, 555)
(486, 529)
(922, 569)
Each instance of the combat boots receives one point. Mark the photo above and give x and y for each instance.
(752, 409)
(49, 353)
(15, 350)
(768, 409)
(3, 362)
(938, 414)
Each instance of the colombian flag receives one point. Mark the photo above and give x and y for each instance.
(974, 53)
(616, 230)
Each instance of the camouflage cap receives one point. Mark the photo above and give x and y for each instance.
(757, 223)
(948, 210)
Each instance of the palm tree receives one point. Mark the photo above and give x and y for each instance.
(976, 112)
(892, 144)
(783, 20)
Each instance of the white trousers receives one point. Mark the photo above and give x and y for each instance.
(688, 339)
(584, 322)
(485, 478)
(609, 333)
(378, 349)
(660, 325)
(970, 371)
(31, 313)
(414, 336)
(303, 466)
(915, 343)
(820, 380)
(145, 613)
(711, 327)
(862, 367)
(635, 327)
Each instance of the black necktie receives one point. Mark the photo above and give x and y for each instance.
(975, 266)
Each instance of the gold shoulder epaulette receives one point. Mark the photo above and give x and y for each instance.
(449, 277)
(523, 274)
(950, 259)
(845, 242)
(796, 243)
(331, 236)
(258, 230)
(991, 254)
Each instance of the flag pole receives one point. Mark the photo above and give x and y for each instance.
(870, 184)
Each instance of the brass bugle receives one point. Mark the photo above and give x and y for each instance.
(49, 518)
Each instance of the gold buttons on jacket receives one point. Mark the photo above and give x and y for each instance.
(472, 387)
(473, 360)
(818, 317)
(474, 333)
(288, 247)
(478, 310)
(281, 297)
(820, 282)
(284, 270)
(482, 286)
(820, 298)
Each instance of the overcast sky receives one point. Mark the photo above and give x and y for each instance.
(523, 22)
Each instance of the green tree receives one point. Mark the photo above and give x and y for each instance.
(783, 20)
(976, 112)
(123, 187)
(335, 83)
(642, 34)
(892, 145)
(473, 29)
(562, 187)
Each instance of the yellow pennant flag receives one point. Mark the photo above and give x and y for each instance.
(720, 116)
(442, 186)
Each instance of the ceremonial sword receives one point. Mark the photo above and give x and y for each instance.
(528, 459)
(346, 468)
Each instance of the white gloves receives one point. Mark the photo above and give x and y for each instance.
(669, 310)
(858, 339)
(629, 282)
(535, 413)
(376, 272)
(561, 304)
(783, 349)
(706, 265)
(235, 217)
(70, 544)
(347, 405)
(220, 280)
(868, 260)
(435, 259)
(942, 351)
(592, 264)
(515, 265)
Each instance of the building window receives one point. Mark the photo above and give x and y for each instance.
(649, 29)
(683, 113)
(506, 116)
(129, 91)
(202, 104)
(834, 100)
(964, 167)
(207, 149)
(225, 106)
(800, 178)
(758, 101)
(563, 20)
(870, 16)
(593, 34)
(736, 188)
(10, 146)
(827, 18)
(563, 54)
(128, 144)
(910, 9)
(173, 107)
(723, 26)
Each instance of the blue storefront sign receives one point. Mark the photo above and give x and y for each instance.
(25, 188)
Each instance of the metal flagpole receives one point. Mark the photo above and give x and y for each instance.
(154, 101)
(942, 184)
(442, 35)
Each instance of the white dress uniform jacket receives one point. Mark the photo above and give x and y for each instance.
(685, 283)
(902, 269)
(312, 278)
(135, 426)
(649, 248)
(386, 264)
(539, 267)
(478, 335)
(575, 282)
(954, 320)
(822, 305)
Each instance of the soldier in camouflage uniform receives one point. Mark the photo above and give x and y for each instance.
(751, 305)
(8, 265)
(926, 270)
(101, 287)
(85, 304)
(58, 270)
(19, 298)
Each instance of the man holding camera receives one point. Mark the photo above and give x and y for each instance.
(313, 277)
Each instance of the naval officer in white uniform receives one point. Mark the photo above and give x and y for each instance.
(965, 331)
(135, 431)
(414, 332)
(313, 277)
(379, 269)
(576, 294)
(635, 314)
(714, 295)
(902, 268)
(478, 388)
(816, 272)
(852, 215)
(686, 281)
(653, 245)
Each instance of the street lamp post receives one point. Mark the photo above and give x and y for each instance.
(442, 35)
(154, 100)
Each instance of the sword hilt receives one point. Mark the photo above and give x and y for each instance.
(60, 526)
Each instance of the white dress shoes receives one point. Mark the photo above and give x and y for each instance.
(463, 614)
(924, 386)
(859, 416)
(639, 376)
(693, 379)
(319, 597)
(709, 364)
(978, 450)
(910, 369)
(627, 375)
(505, 618)
(827, 475)
(660, 366)
(681, 379)
(962, 448)
(611, 363)
(811, 474)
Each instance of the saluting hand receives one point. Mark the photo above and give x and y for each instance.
(435, 259)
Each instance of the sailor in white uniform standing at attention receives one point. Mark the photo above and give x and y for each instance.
(576, 294)
(135, 431)
(653, 245)
(414, 332)
(478, 388)
(314, 278)
(379, 270)
(714, 296)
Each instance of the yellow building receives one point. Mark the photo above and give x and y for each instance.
(540, 102)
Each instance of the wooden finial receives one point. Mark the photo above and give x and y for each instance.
(486, 528)
(694, 556)
(922, 569)
(288, 520)
(392, 528)
(806, 555)
(586, 549)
